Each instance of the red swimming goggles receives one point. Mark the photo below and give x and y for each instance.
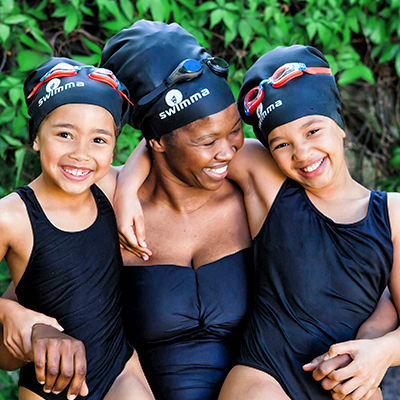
(281, 76)
(63, 70)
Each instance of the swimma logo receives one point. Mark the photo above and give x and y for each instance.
(53, 88)
(261, 113)
(174, 99)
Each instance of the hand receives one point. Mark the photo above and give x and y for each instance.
(17, 328)
(131, 234)
(362, 376)
(59, 360)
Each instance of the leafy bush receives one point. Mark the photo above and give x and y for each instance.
(359, 37)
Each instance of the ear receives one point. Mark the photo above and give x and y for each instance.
(36, 146)
(157, 145)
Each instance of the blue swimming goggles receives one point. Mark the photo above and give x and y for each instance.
(186, 71)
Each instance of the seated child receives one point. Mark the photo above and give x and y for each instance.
(59, 234)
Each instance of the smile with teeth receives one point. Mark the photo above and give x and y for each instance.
(76, 172)
(313, 166)
(217, 170)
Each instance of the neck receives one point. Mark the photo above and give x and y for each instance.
(166, 190)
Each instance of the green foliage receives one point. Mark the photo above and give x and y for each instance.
(359, 37)
(8, 385)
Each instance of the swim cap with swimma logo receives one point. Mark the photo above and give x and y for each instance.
(144, 56)
(305, 94)
(42, 96)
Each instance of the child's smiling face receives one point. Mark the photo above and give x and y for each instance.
(76, 144)
(309, 150)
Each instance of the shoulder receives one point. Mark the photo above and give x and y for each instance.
(107, 184)
(13, 215)
(394, 214)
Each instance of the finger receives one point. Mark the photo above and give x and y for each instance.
(66, 372)
(139, 231)
(314, 363)
(54, 323)
(341, 348)
(26, 339)
(135, 249)
(39, 358)
(326, 368)
(84, 389)
(80, 372)
(352, 386)
(15, 348)
(128, 234)
(53, 366)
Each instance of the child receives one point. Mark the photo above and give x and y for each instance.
(324, 246)
(59, 234)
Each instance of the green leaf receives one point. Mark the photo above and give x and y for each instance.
(11, 140)
(160, 10)
(91, 46)
(397, 64)
(215, 17)
(395, 161)
(37, 34)
(207, 6)
(127, 8)
(389, 53)
(230, 35)
(352, 74)
(19, 162)
(230, 19)
(7, 6)
(16, 19)
(70, 22)
(29, 60)
(4, 32)
(311, 29)
(15, 94)
(245, 31)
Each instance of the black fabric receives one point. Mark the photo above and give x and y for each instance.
(78, 89)
(186, 325)
(299, 97)
(143, 56)
(75, 278)
(316, 282)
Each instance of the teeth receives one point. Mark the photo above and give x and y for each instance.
(313, 167)
(218, 170)
(76, 172)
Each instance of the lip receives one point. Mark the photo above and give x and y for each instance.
(213, 172)
(78, 178)
(316, 171)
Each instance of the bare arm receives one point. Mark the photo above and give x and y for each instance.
(126, 203)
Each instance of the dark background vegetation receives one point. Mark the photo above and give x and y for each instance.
(359, 37)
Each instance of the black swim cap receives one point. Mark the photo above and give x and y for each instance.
(301, 96)
(68, 90)
(143, 56)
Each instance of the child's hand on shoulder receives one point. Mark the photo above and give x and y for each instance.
(60, 360)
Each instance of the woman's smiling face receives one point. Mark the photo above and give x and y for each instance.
(309, 150)
(199, 154)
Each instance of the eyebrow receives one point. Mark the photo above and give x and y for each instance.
(72, 126)
(211, 135)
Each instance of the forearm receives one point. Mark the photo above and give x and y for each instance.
(383, 320)
(135, 171)
(7, 361)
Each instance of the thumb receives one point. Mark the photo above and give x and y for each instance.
(54, 323)
(140, 231)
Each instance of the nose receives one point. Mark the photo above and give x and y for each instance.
(301, 152)
(80, 151)
(229, 147)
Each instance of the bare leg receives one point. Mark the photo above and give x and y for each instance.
(131, 384)
(245, 383)
(25, 394)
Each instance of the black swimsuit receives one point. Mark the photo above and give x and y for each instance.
(317, 281)
(186, 325)
(75, 278)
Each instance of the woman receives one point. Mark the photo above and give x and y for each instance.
(186, 309)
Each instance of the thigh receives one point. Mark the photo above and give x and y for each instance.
(131, 384)
(26, 394)
(245, 383)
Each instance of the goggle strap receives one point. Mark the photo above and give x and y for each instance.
(318, 70)
(153, 94)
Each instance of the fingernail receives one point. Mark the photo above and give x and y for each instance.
(47, 390)
(42, 382)
(307, 365)
(71, 397)
(327, 357)
(54, 392)
(144, 244)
